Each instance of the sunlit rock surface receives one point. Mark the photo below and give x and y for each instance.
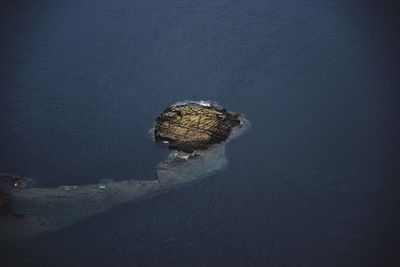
(194, 125)
(28, 210)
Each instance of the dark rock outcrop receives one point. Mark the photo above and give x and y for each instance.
(8, 181)
(8, 184)
(5, 203)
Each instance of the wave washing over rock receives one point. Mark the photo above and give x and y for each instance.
(196, 131)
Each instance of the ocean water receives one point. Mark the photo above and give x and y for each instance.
(313, 183)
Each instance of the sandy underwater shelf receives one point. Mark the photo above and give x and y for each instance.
(198, 133)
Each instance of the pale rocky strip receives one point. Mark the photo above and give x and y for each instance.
(50, 209)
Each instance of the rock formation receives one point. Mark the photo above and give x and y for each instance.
(194, 125)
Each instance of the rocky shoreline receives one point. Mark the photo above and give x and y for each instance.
(200, 151)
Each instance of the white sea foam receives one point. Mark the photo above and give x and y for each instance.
(204, 103)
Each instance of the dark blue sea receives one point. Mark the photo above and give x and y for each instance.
(313, 183)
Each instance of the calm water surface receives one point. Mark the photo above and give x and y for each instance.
(312, 184)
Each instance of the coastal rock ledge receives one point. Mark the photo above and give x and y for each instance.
(198, 131)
